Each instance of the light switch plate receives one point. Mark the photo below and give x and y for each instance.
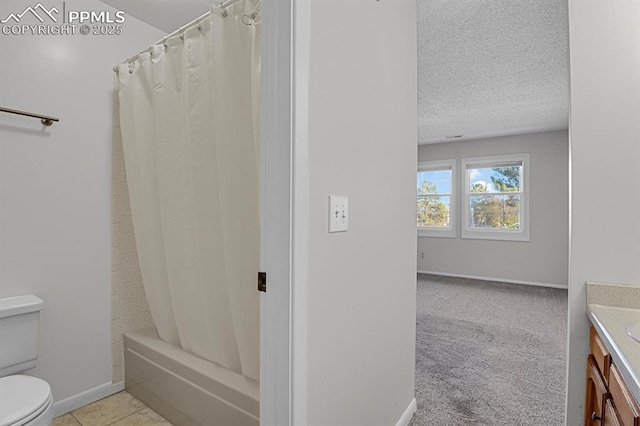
(338, 213)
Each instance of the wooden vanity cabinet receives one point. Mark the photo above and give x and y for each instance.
(625, 403)
(610, 415)
(608, 399)
(597, 394)
(600, 353)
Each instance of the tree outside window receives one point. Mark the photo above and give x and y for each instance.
(496, 205)
(435, 212)
(496, 201)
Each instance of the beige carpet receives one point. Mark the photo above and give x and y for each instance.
(489, 353)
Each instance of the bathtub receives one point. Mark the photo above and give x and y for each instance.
(186, 389)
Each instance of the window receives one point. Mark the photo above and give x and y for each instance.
(496, 198)
(435, 199)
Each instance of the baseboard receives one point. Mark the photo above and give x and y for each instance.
(87, 397)
(504, 280)
(408, 413)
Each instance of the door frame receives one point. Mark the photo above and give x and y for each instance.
(284, 212)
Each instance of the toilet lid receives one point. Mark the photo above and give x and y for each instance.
(21, 397)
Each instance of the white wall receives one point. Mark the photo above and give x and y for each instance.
(543, 259)
(362, 144)
(605, 155)
(55, 191)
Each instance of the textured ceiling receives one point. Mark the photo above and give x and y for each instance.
(485, 67)
(491, 67)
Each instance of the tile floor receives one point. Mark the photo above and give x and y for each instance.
(120, 409)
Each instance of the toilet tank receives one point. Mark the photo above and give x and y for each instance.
(19, 317)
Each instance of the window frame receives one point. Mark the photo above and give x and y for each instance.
(497, 234)
(440, 232)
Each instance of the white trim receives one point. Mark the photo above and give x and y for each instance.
(87, 397)
(434, 165)
(570, 417)
(494, 234)
(408, 413)
(436, 233)
(276, 192)
(503, 280)
(301, 64)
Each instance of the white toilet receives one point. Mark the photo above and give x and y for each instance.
(24, 400)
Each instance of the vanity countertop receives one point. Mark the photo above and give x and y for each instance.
(610, 322)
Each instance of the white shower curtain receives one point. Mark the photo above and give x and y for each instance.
(189, 110)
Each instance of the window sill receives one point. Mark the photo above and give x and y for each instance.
(436, 233)
(522, 236)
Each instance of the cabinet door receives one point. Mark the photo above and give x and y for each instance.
(595, 395)
(626, 405)
(610, 415)
(600, 353)
(590, 407)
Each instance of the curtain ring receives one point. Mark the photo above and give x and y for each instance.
(250, 22)
(199, 27)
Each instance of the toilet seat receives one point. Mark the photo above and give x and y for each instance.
(23, 399)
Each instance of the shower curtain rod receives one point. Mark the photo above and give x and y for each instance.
(44, 119)
(223, 12)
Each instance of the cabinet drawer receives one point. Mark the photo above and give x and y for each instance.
(625, 404)
(596, 393)
(610, 416)
(600, 353)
